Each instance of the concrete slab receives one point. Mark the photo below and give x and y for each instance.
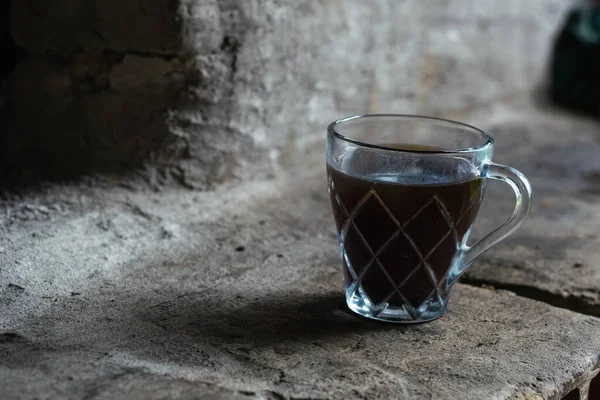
(238, 294)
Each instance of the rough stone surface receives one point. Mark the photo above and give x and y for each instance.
(237, 293)
(236, 85)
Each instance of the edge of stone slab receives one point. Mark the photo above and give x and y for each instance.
(571, 301)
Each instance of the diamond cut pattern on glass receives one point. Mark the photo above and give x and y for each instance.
(394, 265)
(419, 286)
(376, 284)
(384, 279)
(356, 251)
(374, 210)
(445, 250)
(438, 226)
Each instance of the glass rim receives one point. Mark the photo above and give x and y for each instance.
(488, 140)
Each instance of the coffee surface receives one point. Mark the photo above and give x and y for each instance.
(401, 234)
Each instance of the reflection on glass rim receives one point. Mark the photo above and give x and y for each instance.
(489, 141)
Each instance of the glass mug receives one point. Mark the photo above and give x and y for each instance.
(405, 191)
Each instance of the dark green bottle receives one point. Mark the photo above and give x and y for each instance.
(575, 69)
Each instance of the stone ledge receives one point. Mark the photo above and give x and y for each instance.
(238, 293)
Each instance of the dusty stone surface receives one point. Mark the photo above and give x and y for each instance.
(237, 293)
(225, 89)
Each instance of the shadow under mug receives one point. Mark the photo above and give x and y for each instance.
(405, 192)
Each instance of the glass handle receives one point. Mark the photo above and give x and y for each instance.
(519, 183)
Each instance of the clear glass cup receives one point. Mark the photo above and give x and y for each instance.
(405, 191)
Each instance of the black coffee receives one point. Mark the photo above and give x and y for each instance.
(401, 241)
